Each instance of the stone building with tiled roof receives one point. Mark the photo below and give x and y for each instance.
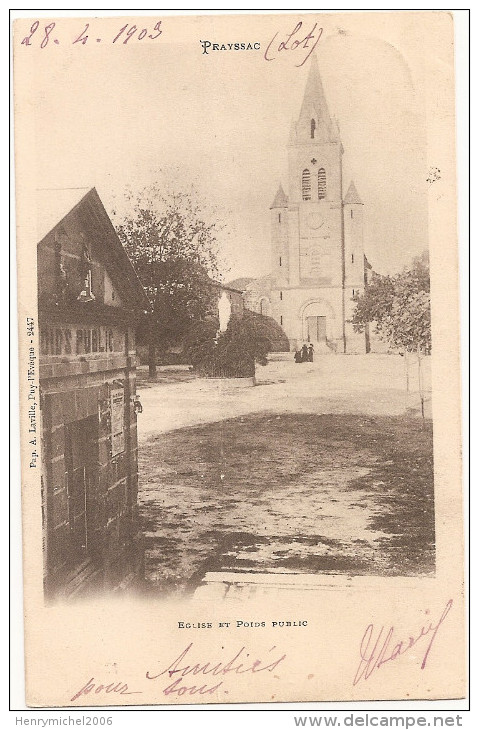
(89, 301)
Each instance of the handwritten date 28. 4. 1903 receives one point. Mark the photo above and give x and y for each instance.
(50, 34)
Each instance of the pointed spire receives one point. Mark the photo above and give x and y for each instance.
(352, 196)
(280, 200)
(292, 130)
(315, 107)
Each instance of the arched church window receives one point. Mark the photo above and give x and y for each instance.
(321, 183)
(313, 128)
(306, 185)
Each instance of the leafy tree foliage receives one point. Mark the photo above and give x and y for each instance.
(174, 251)
(231, 354)
(399, 307)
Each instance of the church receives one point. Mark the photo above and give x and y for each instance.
(317, 249)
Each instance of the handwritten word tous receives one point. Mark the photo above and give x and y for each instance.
(378, 646)
(207, 45)
(51, 34)
(293, 41)
(186, 665)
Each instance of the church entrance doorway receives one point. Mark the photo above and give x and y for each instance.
(316, 329)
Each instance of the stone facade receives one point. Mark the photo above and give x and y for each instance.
(89, 298)
(318, 261)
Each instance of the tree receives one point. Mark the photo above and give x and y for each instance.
(399, 307)
(174, 251)
(230, 354)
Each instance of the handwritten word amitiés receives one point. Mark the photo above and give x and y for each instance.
(293, 41)
(50, 34)
(378, 647)
(184, 666)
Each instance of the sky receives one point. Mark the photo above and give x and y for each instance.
(112, 116)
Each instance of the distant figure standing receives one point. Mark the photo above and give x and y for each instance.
(297, 356)
(304, 353)
(310, 352)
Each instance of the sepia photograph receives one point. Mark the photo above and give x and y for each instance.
(234, 349)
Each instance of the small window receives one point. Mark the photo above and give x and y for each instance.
(313, 128)
(353, 292)
(280, 260)
(281, 319)
(306, 185)
(321, 183)
(281, 295)
(352, 258)
(351, 212)
(279, 217)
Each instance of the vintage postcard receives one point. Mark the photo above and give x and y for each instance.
(239, 358)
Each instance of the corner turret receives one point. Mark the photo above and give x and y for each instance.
(352, 196)
(280, 200)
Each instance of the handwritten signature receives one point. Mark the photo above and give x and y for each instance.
(184, 666)
(292, 42)
(378, 647)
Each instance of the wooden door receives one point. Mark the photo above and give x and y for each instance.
(80, 449)
(316, 329)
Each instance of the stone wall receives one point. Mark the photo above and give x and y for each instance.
(98, 548)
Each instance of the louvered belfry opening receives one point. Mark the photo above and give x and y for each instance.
(321, 183)
(306, 184)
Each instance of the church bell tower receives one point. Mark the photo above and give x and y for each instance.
(314, 277)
